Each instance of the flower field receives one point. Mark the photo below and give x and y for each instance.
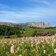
(29, 46)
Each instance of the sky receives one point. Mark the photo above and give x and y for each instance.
(21, 11)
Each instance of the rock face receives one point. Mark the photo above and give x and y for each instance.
(38, 24)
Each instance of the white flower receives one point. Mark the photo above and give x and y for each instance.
(52, 44)
(43, 46)
(44, 51)
(12, 49)
(18, 48)
(31, 45)
(54, 50)
(20, 55)
(54, 40)
(48, 54)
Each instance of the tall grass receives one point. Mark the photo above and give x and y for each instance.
(37, 46)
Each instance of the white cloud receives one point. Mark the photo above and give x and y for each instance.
(35, 13)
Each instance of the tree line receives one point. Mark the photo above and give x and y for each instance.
(26, 31)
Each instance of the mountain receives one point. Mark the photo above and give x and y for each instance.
(8, 24)
(38, 24)
(31, 24)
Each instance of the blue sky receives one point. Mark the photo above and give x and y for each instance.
(21, 11)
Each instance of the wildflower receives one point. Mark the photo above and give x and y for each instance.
(48, 54)
(20, 55)
(12, 49)
(44, 51)
(31, 45)
(54, 50)
(37, 50)
(53, 40)
(43, 46)
(52, 44)
(10, 42)
(18, 48)
(22, 42)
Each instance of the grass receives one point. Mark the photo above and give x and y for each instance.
(37, 46)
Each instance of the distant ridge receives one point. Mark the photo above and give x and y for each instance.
(31, 24)
(38, 24)
(8, 24)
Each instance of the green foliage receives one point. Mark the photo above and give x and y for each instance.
(25, 31)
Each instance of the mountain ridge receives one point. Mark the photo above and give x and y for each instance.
(31, 24)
